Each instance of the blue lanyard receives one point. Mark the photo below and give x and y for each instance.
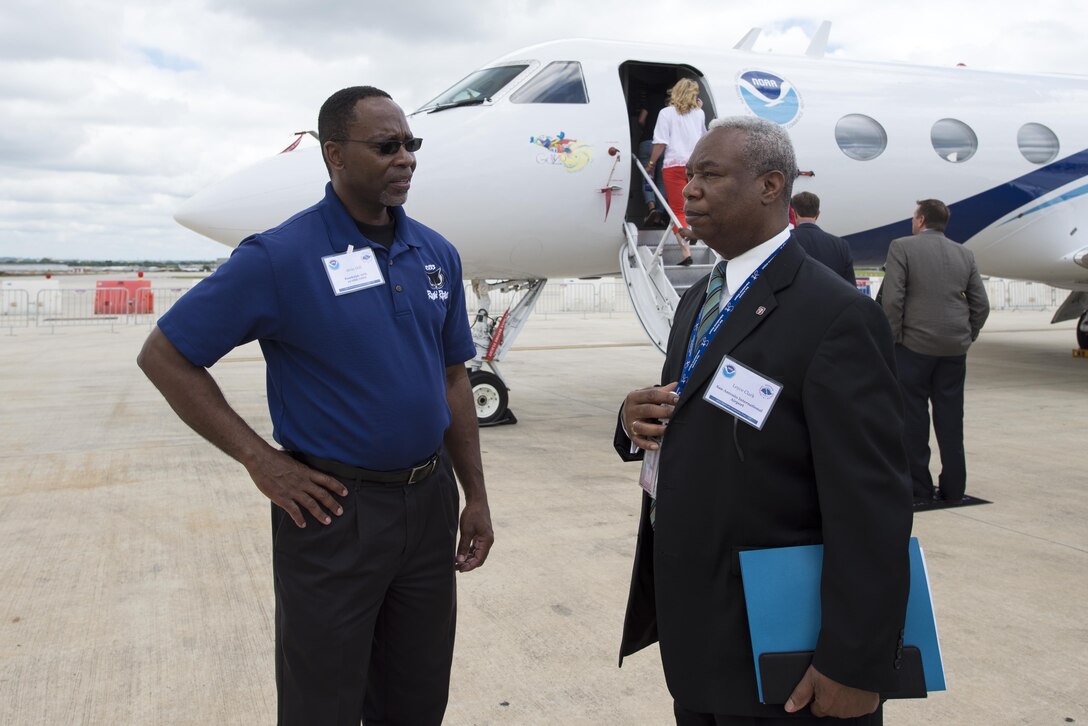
(695, 352)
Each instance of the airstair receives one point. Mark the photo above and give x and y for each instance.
(649, 260)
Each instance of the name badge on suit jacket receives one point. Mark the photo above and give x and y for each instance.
(647, 476)
(742, 392)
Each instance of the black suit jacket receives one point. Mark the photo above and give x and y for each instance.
(826, 248)
(828, 466)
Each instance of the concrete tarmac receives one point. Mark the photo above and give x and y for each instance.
(135, 558)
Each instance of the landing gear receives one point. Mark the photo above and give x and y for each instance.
(491, 398)
(493, 337)
(1075, 307)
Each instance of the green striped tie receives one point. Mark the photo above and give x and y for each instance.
(714, 291)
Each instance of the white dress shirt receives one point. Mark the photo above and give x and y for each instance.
(744, 264)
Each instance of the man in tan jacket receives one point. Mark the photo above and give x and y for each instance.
(936, 304)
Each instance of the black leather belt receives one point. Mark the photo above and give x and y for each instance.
(398, 477)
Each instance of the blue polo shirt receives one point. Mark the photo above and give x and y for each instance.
(359, 377)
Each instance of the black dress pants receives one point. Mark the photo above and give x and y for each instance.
(366, 606)
(691, 718)
(938, 379)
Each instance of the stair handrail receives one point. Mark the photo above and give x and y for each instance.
(632, 247)
(664, 204)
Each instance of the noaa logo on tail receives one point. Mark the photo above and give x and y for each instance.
(770, 97)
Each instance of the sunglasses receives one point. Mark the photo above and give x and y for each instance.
(392, 146)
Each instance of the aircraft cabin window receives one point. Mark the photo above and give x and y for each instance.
(860, 137)
(559, 82)
(477, 87)
(953, 140)
(1037, 143)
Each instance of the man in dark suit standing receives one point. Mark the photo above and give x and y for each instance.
(816, 458)
(820, 245)
(936, 304)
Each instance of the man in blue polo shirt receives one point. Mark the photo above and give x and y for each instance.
(360, 314)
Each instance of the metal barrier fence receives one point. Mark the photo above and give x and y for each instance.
(82, 307)
(565, 297)
(562, 297)
(151, 303)
(65, 308)
(614, 298)
(14, 309)
(61, 308)
(1023, 295)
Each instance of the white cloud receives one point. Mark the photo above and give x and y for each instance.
(43, 31)
(115, 113)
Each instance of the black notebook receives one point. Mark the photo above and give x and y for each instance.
(781, 672)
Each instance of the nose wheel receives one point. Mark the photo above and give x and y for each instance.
(491, 398)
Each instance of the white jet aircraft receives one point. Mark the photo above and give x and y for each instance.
(527, 167)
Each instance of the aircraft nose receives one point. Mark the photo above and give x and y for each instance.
(255, 198)
(194, 214)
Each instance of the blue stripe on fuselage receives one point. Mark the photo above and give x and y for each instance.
(973, 214)
(1073, 194)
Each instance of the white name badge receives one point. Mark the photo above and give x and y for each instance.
(742, 392)
(353, 270)
(647, 477)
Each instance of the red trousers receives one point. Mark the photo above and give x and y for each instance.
(675, 178)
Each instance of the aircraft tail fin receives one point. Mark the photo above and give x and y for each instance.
(748, 40)
(818, 46)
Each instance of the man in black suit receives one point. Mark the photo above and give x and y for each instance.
(820, 245)
(826, 464)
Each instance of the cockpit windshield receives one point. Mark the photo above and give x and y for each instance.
(559, 82)
(476, 88)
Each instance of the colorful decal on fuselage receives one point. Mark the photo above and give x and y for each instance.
(770, 97)
(562, 151)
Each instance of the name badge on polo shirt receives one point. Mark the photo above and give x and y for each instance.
(353, 270)
(742, 392)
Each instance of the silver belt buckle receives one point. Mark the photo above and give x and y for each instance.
(428, 467)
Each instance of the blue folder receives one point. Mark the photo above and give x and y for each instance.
(782, 594)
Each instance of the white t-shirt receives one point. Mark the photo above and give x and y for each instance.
(679, 132)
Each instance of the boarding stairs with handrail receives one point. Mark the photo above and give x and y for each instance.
(649, 261)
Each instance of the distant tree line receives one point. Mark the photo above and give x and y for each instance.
(104, 263)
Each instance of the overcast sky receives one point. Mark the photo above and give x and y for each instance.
(113, 113)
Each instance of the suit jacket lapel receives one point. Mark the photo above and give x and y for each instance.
(756, 306)
(683, 322)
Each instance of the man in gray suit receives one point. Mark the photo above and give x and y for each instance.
(936, 304)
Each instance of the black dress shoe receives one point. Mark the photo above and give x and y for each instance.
(685, 262)
(924, 499)
(939, 496)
